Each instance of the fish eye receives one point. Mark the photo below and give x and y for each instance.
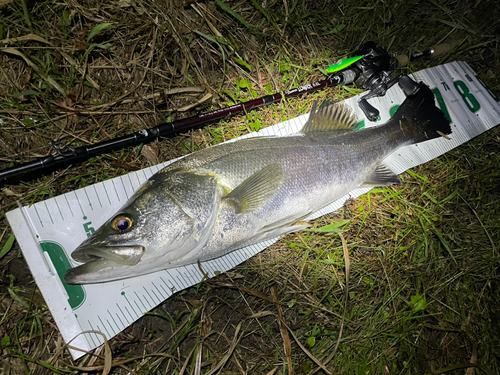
(122, 223)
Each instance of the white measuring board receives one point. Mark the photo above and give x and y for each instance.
(49, 231)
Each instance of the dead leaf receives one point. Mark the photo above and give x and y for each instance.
(187, 107)
(23, 38)
(10, 193)
(26, 77)
(80, 46)
(151, 153)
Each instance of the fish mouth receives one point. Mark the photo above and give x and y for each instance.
(128, 255)
(103, 263)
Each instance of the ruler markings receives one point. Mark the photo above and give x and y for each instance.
(60, 212)
(161, 278)
(170, 288)
(131, 183)
(207, 268)
(235, 260)
(94, 334)
(97, 195)
(78, 200)
(132, 307)
(120, 319)
(149, 295)
(159, 300)
(83, 336)
(166, 292)
(106, 191)
(159, 292)
(124, 188)
(103, 326)
(50, 216)
(190, 275)
(88, 199)
(177, 281)
(128, 312)
(180, 278)
(112, 329)
(67, 202)
(140, 300)
(176, 286)
(114, 321)
(223, 261)
(138, 308)
(138, 179)
(116, 192)
(40, 220)
(124, 316)
(211, 268)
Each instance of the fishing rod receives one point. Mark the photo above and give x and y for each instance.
(371, 68)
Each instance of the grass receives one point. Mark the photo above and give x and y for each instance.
(422, 296)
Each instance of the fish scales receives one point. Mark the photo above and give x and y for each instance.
(316, 171)
(333, 162)
(217, 200)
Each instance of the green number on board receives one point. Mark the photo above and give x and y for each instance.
(469, 99)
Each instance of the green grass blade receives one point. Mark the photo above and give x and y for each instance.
(8, 245)
(97, 29)
(230, 10)
(27, 18)
(209, 38)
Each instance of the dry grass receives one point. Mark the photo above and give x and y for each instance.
(423, 292)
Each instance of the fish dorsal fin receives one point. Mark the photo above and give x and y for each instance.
(382, 176)
(256, 190)
(330, 117)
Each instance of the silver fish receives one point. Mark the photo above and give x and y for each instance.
(223, 198)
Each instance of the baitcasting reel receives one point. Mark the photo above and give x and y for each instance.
(371, 68)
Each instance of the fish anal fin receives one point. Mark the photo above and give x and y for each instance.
(335, 118)
(256, 190)
(382, 176)
(280, 231)
(287, 224)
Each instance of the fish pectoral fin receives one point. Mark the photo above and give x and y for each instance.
(331, 117)
(256, 190)
(382, 176)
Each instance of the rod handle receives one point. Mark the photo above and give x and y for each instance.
(403, 60)
(442, 49)
(437, 50)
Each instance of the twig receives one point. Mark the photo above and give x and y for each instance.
(313, 358)
(229, 351)
(246, 290)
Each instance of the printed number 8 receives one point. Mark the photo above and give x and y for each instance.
(469, 99)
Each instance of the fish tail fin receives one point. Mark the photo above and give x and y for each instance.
(418, 117)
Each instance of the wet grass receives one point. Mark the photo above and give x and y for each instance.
(422, 294)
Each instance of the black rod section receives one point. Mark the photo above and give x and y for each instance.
(168, 129)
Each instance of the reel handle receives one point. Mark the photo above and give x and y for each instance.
(370, 111)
